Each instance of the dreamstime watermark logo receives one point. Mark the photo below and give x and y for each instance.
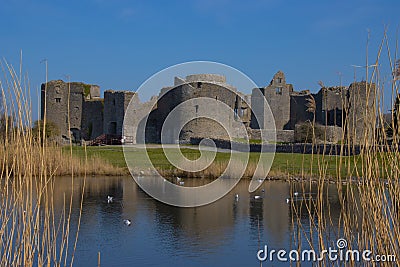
(205, 103)
(339, 253)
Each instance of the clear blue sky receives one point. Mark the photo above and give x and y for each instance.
(119, 44)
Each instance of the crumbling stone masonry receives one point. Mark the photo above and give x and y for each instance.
(115, 105)
(341, 111)
(85, 117)
(194, 87)
(333, 106)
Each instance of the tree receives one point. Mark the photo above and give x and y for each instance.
(308, 132)
(51, 130)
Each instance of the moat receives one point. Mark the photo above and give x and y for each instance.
(228, 232)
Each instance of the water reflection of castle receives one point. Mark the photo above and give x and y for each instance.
(192, 227)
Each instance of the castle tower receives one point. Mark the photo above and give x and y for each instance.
(192, 91)
(277, 94)
(84, 104)
(115, 105)
(361, 111)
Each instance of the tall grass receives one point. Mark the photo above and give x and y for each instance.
(58, 162)
(369, 191)
(32, 232)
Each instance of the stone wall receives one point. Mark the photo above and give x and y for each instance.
(199, 118)
(361, 111)
(330, 105)
(115, 104)
(298, 108)
(284, 136)
(334, 134)
(258, 118)
(277, 94)
(76, 108)
(135, 118)
(89, 116)
(214, 78)
(323, 133)
(61, 96)
(54, 103)
(92, 119)
(327, 149)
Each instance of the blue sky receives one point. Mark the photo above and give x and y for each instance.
(119, 44)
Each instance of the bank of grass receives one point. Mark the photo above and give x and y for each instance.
(57, 161)
(285, 165)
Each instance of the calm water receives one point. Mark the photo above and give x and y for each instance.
(224, 233)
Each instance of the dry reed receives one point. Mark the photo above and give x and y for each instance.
(368, 193)
(32, 232)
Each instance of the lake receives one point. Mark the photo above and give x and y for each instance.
(228, 232)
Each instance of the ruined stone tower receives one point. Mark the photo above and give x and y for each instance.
(197, 87)
(336, 109)
(277, 94)
(85, 116)
(361, 111)
(115, 104)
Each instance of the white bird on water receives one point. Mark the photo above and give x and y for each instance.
(296, 194)
(178, 179)
(127, 222)
(258, 196)
(181, 183)
(237, 197)
(110, 199)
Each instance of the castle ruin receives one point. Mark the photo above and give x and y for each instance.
(91, 116)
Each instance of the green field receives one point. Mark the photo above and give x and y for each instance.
(283, 163)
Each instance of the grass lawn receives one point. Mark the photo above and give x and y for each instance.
(284, 163)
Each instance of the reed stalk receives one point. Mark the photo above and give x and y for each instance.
(367, 186)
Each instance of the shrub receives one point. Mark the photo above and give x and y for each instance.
(51, 130)
(304, 133)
